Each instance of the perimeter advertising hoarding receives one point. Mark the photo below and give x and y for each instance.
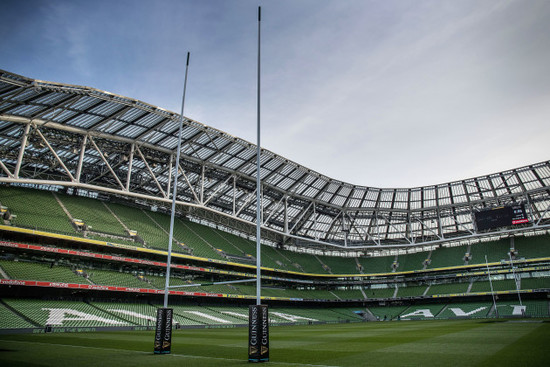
(258, 333)
(163, 331)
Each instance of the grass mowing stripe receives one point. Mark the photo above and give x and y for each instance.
(529, 350)
(460, 343)
(171, 355)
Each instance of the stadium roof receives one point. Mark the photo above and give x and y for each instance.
(81, 137)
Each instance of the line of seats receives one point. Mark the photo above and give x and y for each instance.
(110, 221)
(29, 313)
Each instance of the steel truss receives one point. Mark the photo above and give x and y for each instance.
(84, 138)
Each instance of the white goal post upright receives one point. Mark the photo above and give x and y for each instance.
(491, 284)
(258, 322)
(175, 190)
(165, 316)
(258, 180)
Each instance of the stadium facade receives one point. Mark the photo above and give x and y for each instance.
(80, 137)
(85, 183)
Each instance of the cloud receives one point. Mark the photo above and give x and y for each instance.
(376, 93)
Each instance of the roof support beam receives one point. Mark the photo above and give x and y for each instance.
(543, 214)
(182, 171)
(219, 186)
(81, 157)
(130, 166)
(168, 184)
(59, 160)
(22, 150)
(153, 176)
(3, 166)
(106, 163)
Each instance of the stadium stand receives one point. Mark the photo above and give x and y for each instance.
(109, 193)
(412, 261)
(135, 313)
(535, 283)
(113, 221)
(498, 285)
(306, 263)
(63, 313)
(377, 264)
(339, 265)
(137, 220)
(10, 320)
(387, 312)
(422, 312)
(94, 213)
(447, 256)
(275, 259)
(465, 310)
(115, 278)
(494, 250)
(24, 270)
(348, 294)
(532, 247)
(447, 288)
(380, 292)
(411, 291)
(187, 233)
(36, 209)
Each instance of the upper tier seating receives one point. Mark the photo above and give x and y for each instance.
(412, 261)
(447, 256)
(340, 265)
(35, 209)
(532, 246)
(377, 264)
(40, 209)
(95, 215)
(155, 236)
(495, 251)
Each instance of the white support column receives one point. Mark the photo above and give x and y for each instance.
(315, 227)
(286, 215)
(541, 216)
(130, 165)
(530, 209)
(261, 206)
(3, 166)
(202, 185)
(234, 193)
(81, 158)
(409, 228)
(439, 226)
(22, 150)
(473, 219)
(170, 165)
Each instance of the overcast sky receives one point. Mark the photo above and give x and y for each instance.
(376, 93)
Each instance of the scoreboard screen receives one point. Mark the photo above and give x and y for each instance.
(501, 217)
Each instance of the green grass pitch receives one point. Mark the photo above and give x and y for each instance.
(413, 343)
